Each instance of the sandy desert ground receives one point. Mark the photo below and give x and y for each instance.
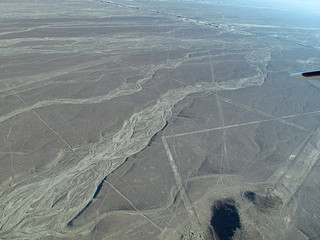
(157, 120)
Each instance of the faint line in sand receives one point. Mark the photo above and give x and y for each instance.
(183, 193)
(251, 109)
(132, 205)
(41, 119)
(242, 124)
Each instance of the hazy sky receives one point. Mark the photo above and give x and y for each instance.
(303, 5)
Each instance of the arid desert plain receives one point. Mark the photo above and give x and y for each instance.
(166, 120)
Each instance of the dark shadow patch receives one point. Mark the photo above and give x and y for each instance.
(59, 200)
(88, 204)
(99, 188)
(155, 135)
(69, 224)
(225, 219)
(267, 201)
(251, 196)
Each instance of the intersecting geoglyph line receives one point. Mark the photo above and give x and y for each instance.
(38, 116)
(132, 205)
(289, 177)
(196, 228)
(251, 109)
(283, 187)
(286, 180)
(270, 118)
